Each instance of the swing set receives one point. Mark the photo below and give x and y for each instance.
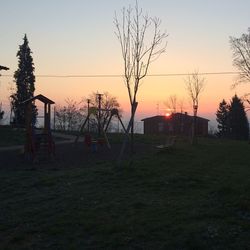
(96, 113)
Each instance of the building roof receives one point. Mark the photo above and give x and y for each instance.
(154, 117)
(160, 117)
(41, 98)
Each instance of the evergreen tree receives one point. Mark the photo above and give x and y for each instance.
(239, 127)
(1, 112)
(222, 119)
(25, 83)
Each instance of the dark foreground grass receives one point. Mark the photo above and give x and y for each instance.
(191, 198)
(11, 136)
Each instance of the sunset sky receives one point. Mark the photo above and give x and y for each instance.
(77, 38)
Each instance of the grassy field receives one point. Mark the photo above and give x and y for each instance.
(190, 198)
(9, 136)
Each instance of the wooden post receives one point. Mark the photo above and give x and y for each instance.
(54, 120)
(48, 122)
(99, 114)
(88, 113)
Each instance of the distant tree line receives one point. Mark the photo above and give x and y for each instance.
(232, 119)
(70, 116)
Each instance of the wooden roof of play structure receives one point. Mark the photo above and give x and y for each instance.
(3, 68)
(41, 98)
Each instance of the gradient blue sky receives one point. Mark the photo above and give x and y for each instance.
(77, 37)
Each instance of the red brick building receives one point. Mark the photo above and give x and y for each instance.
(175, 124)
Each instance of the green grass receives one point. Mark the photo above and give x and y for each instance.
(190, 198)
(11, 136)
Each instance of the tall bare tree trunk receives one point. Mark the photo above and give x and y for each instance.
(195, 86)
(125, 141)
(141, 42)
(132, 149)
(194, 126)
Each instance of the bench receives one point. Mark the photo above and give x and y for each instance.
(169, 143)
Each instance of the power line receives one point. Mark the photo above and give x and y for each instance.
(118, 75)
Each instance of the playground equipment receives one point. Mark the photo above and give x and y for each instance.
(38, 145)
(3, 68)
(96, 112)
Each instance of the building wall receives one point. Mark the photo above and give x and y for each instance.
(178, 124)
(155, 126)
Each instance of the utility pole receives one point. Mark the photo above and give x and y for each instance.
(88, 100)
(99, 96)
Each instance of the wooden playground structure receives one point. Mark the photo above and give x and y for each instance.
(3, 68)
(38, 145)
(96, 113)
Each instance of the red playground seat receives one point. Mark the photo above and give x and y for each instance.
(87, 140)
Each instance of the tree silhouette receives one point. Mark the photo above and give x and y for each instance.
(69, 116)
(239, 127)
(222, 117)
(25, 84)
(241, 56)
(171, 103)
(1, 112)
(141, 42)
(194, 85)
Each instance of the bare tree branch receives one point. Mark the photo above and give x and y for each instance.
(195, 85)
(141, 42)
(241, 56)
(139, 48)
(171, 103)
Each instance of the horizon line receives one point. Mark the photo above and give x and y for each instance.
(120, 75)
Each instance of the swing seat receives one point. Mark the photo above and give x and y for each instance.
(101, 141)
(94, 146)
(87, 140)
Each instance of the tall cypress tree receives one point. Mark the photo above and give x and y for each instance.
(25, 83)
(1, 112)
(239, 127)
(222, 117)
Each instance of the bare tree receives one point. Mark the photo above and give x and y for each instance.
(194, 85)
(245, 98)
(174, 104)
(241, 56)
(69, 116)
(141, 42)
(171, 103)
(181, 104)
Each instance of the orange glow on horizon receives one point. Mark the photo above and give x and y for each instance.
(168, 115)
